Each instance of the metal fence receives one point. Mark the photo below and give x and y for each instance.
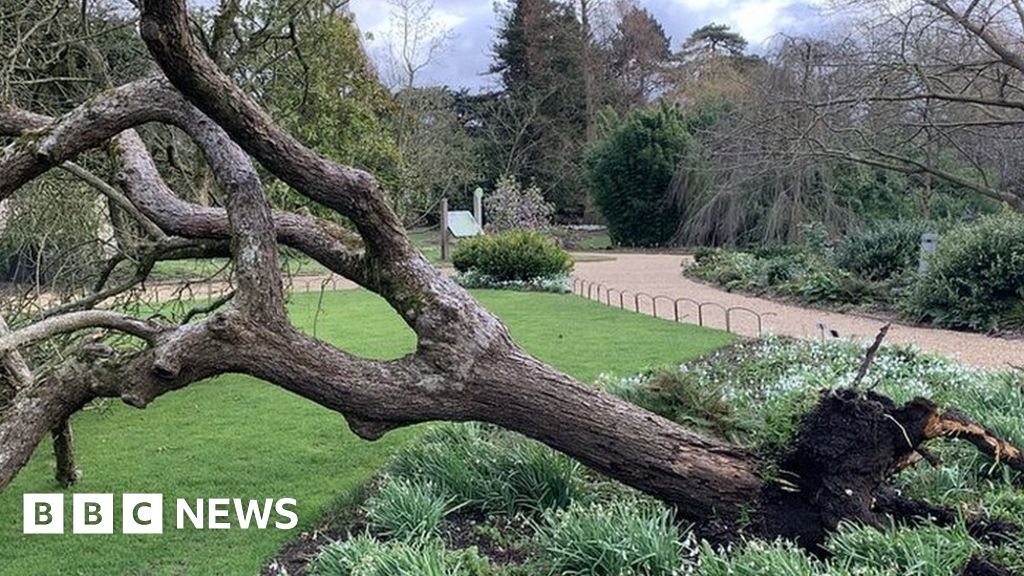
(689, 310)
(682, 309)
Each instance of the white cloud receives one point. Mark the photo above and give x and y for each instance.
(757, 20)
(445, 21)
(701, 5)
(473, 22)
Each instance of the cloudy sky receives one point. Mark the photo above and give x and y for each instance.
(472, 22)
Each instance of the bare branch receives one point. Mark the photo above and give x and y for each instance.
(213, 306)
(869, 357)
(74, 321)
(113, 194)
(88, 126)
(986, 35)
(354, 193)
(332, 246)
(14, 363)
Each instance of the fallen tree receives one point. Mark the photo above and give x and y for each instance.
(466, 366)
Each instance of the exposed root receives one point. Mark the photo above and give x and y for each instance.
(848, 448)
(870, 356)
(952, 424)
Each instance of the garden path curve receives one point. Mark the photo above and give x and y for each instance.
(660, 274)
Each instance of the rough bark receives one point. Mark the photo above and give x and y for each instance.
(334, 247)
(66, 472)
(32, 415)
(17, 368)
(88, 126)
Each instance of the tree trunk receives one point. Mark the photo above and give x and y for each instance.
(64, 452)
(33, 414)
(586, 56)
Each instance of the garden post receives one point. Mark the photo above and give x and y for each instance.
(478, 206)
(444, 229)
(929, 240)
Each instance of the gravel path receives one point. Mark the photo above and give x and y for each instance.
(660, 274)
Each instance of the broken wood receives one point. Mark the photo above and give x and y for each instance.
(846, 452)
(869, 357)
(952, 424)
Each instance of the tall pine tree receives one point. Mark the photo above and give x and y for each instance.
(538, 53)
(640, 53)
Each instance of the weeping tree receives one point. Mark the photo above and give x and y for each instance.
(465, 367)
(931, 89)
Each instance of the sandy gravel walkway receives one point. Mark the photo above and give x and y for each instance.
(660, 274)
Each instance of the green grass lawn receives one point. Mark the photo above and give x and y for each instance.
(593, 241)
(236, 437)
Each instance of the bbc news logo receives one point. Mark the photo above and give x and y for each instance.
(144, 514)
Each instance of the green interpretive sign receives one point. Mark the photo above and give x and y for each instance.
(462, 224)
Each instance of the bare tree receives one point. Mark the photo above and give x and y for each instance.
(439, 157)
(930, 88)
(757, 176)
(913, 89)
(416, 40)
(465, 367)
(436, 152)
(586, 11)
(639, 56)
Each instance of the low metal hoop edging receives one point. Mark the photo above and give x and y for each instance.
(700, 312)
(584, 287)
(608, 296)
(593, 291)
(728, 317)
(675, 305)
(622, 298)
(654, 304)
(636, 300)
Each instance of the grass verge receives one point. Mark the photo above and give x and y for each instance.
(236, 437)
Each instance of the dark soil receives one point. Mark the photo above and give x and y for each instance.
(465, 529)
(982, 567)
(496, 538)
(847, 449)
(295, 557)
(838, 468)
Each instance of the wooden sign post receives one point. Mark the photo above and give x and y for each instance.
(444, 230)
(457, 224)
